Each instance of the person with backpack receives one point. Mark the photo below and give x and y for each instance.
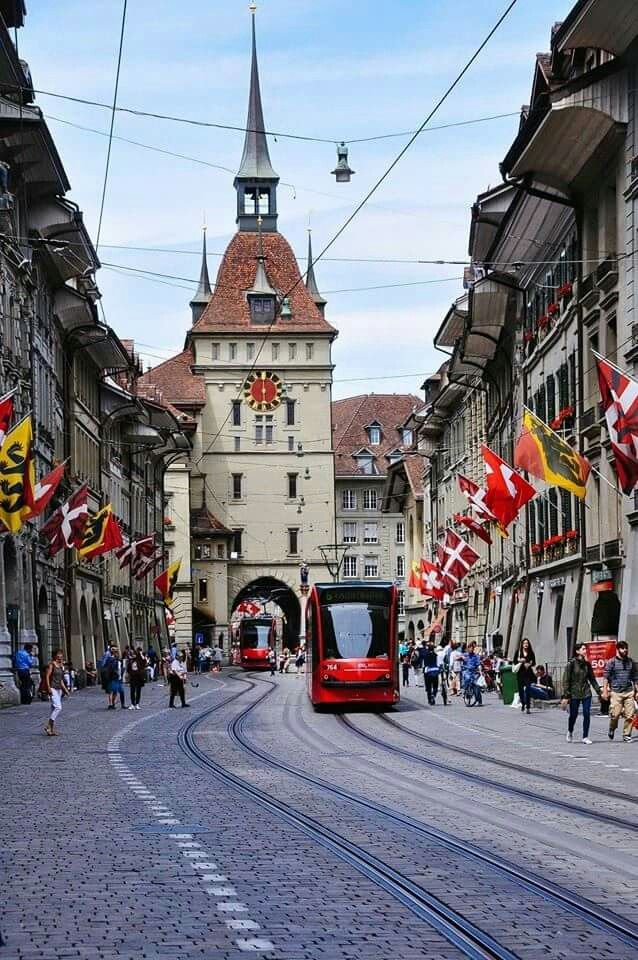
(136, 669)
(430, 663)
(621, 685)
(578, 679)
(109, 676)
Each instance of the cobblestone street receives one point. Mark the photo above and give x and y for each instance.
(129, 848)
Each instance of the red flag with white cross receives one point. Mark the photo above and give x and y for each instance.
(507, 490)
(456, 558)
(619, 394)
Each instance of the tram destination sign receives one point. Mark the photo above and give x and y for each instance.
(378, 595)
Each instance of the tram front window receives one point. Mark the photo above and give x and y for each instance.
(355, 630)
(256, 635)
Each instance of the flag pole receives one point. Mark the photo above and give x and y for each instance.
(618, 492)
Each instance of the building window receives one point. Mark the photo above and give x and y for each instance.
(207, 551)
(262, 309)
(275, 351)
(290, 413)
(250, 351)
(264, 428)
(365, 463)
(348, 500)
(370, 500)
(400, 532)
(236, 545)
(237, 485)
(237, 413)
(292, 351)
(310, 349)
(214, 351)
(293, 541)
(406, 438)
(371, 567)
(220, 551)
(370, 533)
(400, 566)
(292, 486)
(198, 552)
(203, 590)
(349, 532)
(395, 456)
(232, 351)
(400, 602)
(350, 567)
(237, 442)
(374, 435)
(291, 443)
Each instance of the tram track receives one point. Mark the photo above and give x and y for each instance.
(480, 779)
(606, 792)
(473, 942)
(418, 900)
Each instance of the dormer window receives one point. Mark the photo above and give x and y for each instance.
(406, 438)
(395, 456)
(374, 434)
(262, 309)
(365, 463)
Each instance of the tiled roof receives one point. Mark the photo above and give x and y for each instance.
(174, 382)
(351, 416)
(204, 523)
(228, 309)
(414, 471)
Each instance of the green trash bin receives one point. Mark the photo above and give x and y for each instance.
(509, 684)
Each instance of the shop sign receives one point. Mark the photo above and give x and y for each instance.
(602, 580)
(599, 652)
(556, 583)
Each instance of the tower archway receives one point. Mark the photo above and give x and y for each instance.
(275, 593)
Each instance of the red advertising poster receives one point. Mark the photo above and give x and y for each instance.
(599, 652)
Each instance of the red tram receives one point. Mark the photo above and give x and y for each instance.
(256, 634)
(351, 644)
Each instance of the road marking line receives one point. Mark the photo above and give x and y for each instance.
(232, 906)
(204, 866)
(180, 836)
(213, 878)
(195, 854)
(170, 822)
(221, 891)
(189, 843)
(238, 923)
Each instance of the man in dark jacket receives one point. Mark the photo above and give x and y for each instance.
(430, 666)
(621, 683)
(578, 680)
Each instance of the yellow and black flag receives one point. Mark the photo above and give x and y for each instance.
(166, 581)
(545, 455)
(101, 534)
(17, 476)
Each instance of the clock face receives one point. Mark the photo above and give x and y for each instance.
(263, 390)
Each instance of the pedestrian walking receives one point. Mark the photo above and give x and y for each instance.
(443, 661)
(109, 673)
(218, 658)
(578, 679)
(136, 668)
(177, 680)
(405, 669)
(620, 684)
(23, 662)
(272, 660)
(417, 665)
(456, 668)
(525, 674)
(151, 656)
(55, 688)
(472, 671)
(430, 663)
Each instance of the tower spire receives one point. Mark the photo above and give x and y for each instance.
(203, 292)
(311, 282)
(256, 181)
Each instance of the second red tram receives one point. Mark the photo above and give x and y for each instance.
(351, 644)
(256, 635)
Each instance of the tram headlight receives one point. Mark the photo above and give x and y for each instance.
(326, 677)
(387, 676)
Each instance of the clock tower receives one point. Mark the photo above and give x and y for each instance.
(260, 351)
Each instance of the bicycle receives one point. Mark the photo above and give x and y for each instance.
(470, 694)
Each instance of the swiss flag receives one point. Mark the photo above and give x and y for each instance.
(40, 496)
(476, 495)
(247, 606)
(473, 525)
(6, 413)
(456, 558)
(507, 490)
(431, 580)
(619, 394)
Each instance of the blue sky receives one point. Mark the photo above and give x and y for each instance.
(328, 69)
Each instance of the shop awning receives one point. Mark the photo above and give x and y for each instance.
(609, 25)
(451, 330)
(490, 302)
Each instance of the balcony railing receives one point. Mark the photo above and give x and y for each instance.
(612, 549)
(607, 273)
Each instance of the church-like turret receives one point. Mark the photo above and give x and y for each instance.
(311, 281)
(203, 293)
(256, 181)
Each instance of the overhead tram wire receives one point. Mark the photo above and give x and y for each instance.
(113, 109)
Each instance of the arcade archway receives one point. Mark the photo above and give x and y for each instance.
(274, 593)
